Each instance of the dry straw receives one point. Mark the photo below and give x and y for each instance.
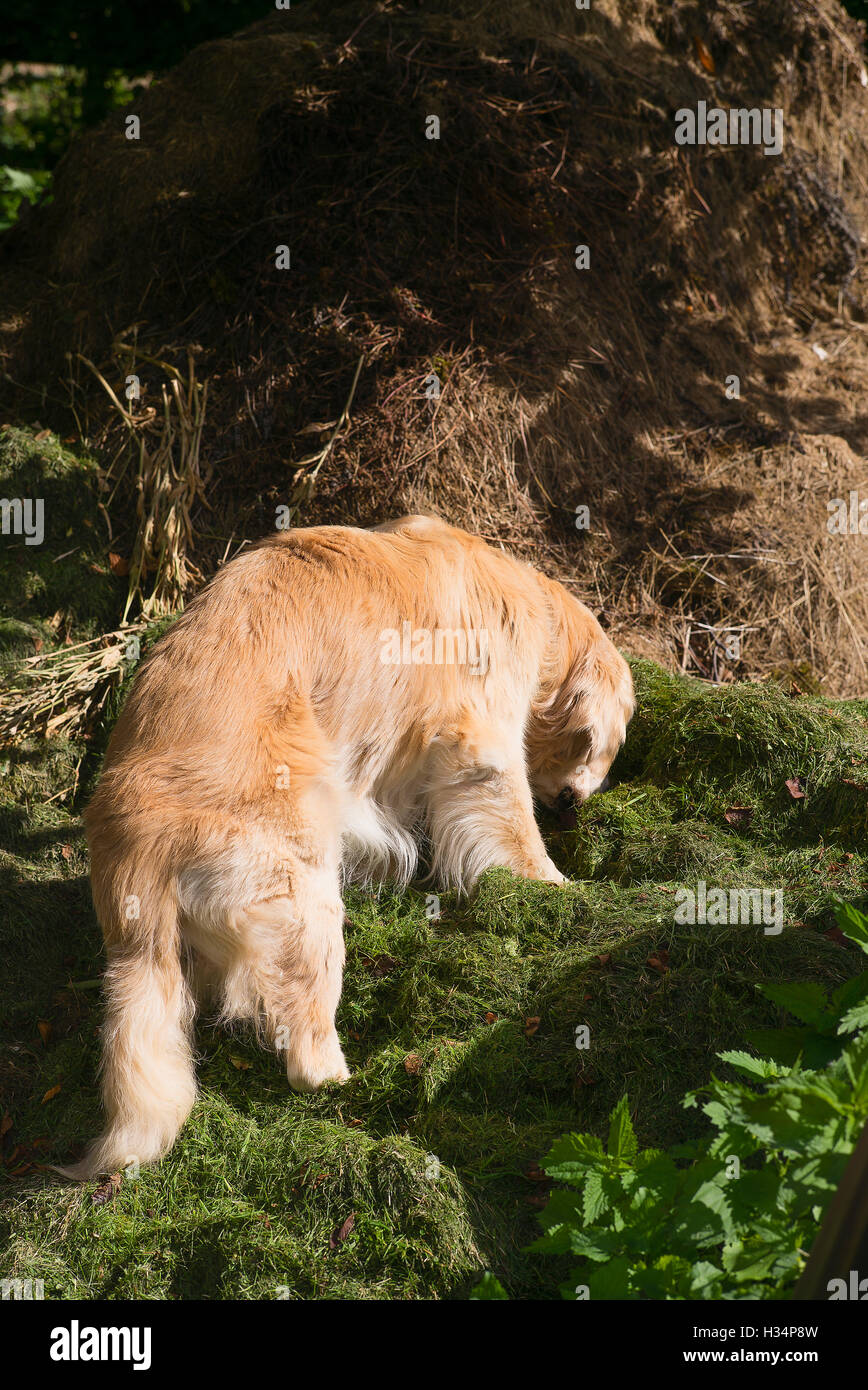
(455, 257)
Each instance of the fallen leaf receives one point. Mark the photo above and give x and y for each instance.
(703, 54)
(659, 961)
(537, 1199)
(795, 690)
(44, 1026)
(118, 564)
(412, 1064)
(107, 1191)
(43, 434)
(795, 787)
(66, 851)
(49, 1095)
(339, 1235)
(530, 1026)
(240, 1064)
(315, 427)
(606, 959)
(490, 1017)
(536, 1174)
(738, 815)
(378, 966)
(5, 1124)
(835, 934)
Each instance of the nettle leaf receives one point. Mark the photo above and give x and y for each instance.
(705, 1280)
(851, 992)
(804, 1000)
(750, 1065)
(788, 1045)
(854, 1018)
(563, 1206)
(575, 1155)
(622, 1139)
(755, 1189)
(670, 1276)
(488, 1288)
(657, 1181)
(818, 1176)
(717, 1112)
(602, 1192)
(557, 1241)
(853, 1065)
(610, 1281)
(853, 923)
(595, 1245)
(696, 1226)
(748, 1259)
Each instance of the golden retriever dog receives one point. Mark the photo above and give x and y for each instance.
(331, 699)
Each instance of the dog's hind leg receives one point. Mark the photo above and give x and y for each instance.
(287, 971)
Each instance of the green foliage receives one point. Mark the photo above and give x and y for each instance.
(16, 185)
(488, 1289)
(732, 1215)
(828, 1016)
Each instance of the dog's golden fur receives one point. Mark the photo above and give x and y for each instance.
(279, 738)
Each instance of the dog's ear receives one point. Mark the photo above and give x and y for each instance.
(585, 717)
(562, 712)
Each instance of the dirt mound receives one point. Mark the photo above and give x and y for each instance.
(433, 343)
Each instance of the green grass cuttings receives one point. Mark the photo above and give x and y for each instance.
(63, 586)
(461, 1029)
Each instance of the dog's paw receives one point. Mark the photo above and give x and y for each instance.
(550, 873)
(317, 1065)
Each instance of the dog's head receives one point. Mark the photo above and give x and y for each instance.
(579, 719)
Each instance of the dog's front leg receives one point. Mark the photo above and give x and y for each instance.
(480, 816)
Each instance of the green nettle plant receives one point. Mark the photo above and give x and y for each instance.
(730, 1216)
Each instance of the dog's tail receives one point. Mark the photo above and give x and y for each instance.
(148, 1077)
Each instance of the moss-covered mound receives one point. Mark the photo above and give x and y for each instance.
(463, 1029)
